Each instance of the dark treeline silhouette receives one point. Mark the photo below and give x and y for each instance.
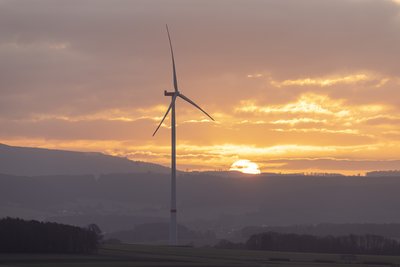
(21, 236)
(388, 230)
(393, 173)
(350, 244)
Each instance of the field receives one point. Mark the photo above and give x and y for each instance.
(140, 255)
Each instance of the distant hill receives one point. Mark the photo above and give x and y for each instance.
(158, 233)
(38, 161)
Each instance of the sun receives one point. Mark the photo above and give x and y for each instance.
(245, 166)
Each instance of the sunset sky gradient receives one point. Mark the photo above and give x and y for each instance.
(295, 86)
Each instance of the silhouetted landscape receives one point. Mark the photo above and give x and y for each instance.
(38, 161)
(214, 205)
(200, 133)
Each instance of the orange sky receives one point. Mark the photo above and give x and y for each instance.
(295, 86)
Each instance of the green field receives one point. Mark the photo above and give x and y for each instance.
(142, 255)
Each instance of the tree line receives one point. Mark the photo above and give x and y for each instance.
(349, 244)
(389, 230)
(22, 236)
(392, 173)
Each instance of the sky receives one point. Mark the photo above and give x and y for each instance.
(294, 86)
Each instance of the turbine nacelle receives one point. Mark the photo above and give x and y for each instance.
(170, 93)
(174, 96)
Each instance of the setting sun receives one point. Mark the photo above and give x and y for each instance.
(245, 166)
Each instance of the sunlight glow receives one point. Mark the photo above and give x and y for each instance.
(245, 166)
(307, 103)
(323, 82)
(299, 120)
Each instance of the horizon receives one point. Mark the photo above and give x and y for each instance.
(230, 169)
(299, 92)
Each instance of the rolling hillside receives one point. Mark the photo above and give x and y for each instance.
(38, 161)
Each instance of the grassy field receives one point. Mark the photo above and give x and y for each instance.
(140, 255)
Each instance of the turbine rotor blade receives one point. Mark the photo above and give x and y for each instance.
(166, 113)
(194, 104)
(173, 61)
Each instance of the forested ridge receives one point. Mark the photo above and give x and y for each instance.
(22, 236)
(349, 244)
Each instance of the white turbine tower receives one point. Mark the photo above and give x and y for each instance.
(173, 237)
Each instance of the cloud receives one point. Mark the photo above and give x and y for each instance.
(306, 104)
(96, 129)
(274, 73)
(116, 52)
(383, 120)
(313, 108)
(349, 79)
(300, 121)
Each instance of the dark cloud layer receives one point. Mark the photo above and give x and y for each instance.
(116, 52)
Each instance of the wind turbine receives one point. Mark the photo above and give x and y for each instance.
(173, 237)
